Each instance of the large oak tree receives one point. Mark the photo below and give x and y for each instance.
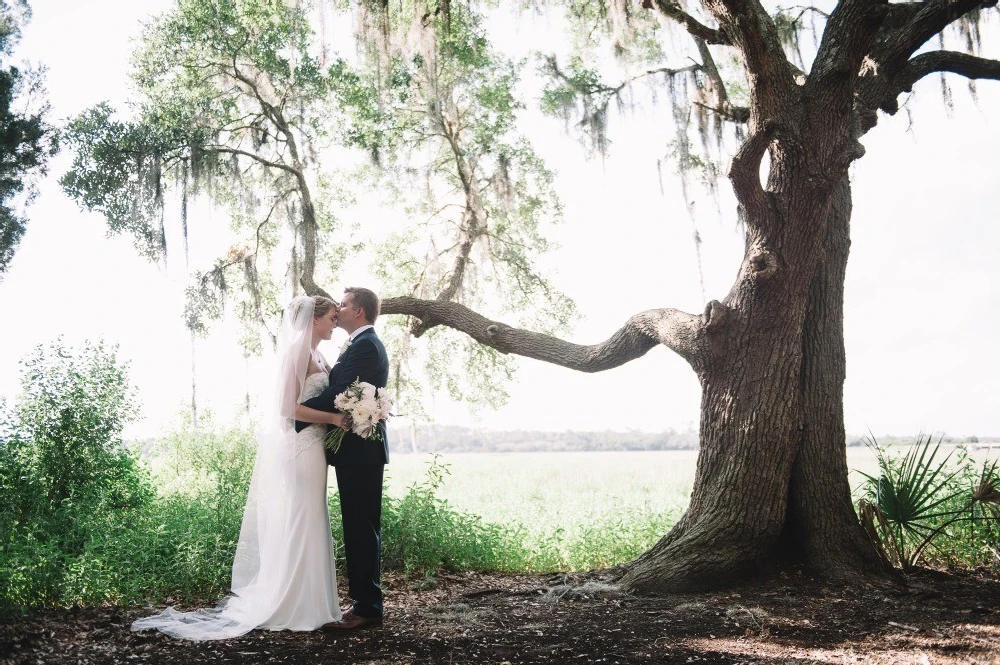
(771, 483)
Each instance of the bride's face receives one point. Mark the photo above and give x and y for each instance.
(323, 326)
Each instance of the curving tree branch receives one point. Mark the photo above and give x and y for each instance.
(744, 170)
(955, 62)
(717, 88)
(928, 21)
(473, 217)
(681, 332)
(674, 12)
(888, 70)
(253, 156)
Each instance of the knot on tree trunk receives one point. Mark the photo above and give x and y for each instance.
(497, 338)
(764, 265)
(715, 316)
(420, 326)
(850, 151)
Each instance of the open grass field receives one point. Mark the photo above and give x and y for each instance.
(546, 491)
(540, 490)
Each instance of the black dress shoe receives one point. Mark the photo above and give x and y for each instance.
(351, 621)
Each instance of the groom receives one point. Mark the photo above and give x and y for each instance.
(359, 463)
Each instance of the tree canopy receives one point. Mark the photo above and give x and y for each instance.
(246, 104)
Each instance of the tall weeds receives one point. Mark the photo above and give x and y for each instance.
(84, 520)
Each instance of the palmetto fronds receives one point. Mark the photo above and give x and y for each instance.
(916, 498)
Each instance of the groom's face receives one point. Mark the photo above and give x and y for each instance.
(349, 316)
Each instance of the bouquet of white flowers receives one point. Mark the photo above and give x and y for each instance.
(364, 406)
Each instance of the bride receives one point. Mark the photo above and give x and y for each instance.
(283, 573)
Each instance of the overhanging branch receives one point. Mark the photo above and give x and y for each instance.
(905, 29)
(929, 20)
(679, 331)
(955, 62)
(606, 93)
(674, 12)
(255, 157)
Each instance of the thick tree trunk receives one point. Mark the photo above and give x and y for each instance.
(748, 442)
(771, 485)
(822, 530)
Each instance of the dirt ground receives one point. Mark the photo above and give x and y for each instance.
(491, 619)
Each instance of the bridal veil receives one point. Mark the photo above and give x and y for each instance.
(256, 585)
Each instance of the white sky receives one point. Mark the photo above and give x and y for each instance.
(922, 288)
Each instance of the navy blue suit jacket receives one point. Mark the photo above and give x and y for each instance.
(364, 360)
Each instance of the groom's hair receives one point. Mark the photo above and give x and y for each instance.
(367, 300)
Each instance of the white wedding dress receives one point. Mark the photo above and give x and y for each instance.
(291, 583)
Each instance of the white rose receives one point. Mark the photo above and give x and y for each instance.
(385, 405)
(365, 409)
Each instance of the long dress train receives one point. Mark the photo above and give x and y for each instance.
(283, 574)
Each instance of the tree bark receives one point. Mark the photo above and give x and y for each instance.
(749, 438)
(822, 529)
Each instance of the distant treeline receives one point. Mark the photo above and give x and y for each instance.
(454, 439)
(886, 440)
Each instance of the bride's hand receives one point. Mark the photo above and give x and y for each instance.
(341, 420)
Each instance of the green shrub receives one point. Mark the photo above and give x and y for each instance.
(212, 466)
(421, 532)
(972, 537)
(614, 541)
(65, 476)
(186, 546)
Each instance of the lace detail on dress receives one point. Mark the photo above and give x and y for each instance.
(312, 435)
(314, 385)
